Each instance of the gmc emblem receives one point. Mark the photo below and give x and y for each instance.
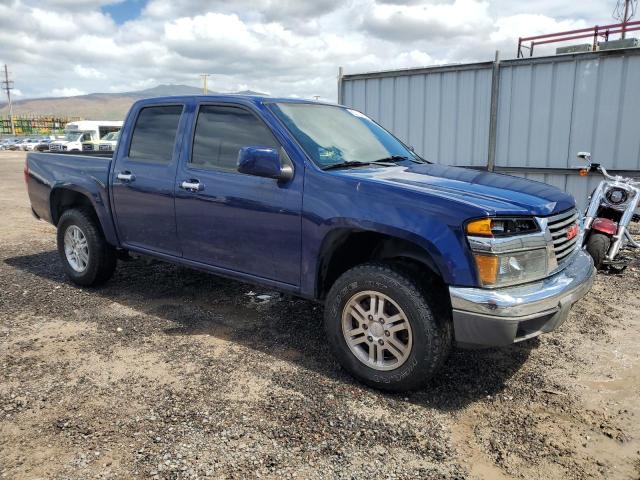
(572, 231)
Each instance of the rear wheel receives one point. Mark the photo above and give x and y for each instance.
(383, 327)
(598, 247)
(86, 257)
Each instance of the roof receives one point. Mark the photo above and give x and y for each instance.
(256, 99)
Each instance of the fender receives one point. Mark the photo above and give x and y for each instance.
(447, 256)
(604, 225)
(100, 206)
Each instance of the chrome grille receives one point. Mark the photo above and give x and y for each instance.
(558, 226)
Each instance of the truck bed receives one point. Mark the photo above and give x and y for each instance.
(89, 174)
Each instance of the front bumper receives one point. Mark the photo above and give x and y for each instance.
(485, 317)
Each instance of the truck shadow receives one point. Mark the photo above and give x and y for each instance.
(194, 302)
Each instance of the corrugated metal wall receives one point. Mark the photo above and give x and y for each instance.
(548, 109)
(553, 107)
(443, 112)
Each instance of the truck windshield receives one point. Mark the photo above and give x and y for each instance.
(333, 135)
(110, 136)
(73, 136)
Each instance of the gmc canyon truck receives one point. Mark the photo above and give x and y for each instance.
(319, 201)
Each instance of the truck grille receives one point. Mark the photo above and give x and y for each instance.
(559, 226)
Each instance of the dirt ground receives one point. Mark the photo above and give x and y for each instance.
(170, 373)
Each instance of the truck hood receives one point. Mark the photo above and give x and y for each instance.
(495, 194)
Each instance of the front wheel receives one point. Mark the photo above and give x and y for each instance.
(384, 328)
(598, 246)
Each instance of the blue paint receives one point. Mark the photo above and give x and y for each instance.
(275, 232)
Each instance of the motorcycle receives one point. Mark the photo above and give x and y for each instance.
(611, 208)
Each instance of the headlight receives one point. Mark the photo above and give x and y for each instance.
(511, 268)
(508, 251)
(616, 196)
(502, 227)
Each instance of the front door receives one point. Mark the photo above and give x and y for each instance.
(143, 181)
(238, 222)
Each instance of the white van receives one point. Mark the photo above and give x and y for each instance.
(84, 131)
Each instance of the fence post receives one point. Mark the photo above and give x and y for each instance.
(340, 93)
(493, 115)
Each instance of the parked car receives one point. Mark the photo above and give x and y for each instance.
(319, 201)
(6, 143)
(105, 144)
(17, 145)
(30, 144)
(43, 145)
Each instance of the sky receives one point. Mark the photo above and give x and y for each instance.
(279, 47)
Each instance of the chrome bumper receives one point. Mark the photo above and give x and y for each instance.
(485, 317)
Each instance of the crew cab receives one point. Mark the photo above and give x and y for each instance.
(319, 201)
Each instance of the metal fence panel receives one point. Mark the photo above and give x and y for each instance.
(548, 109)
(442, 112)
(552, 108)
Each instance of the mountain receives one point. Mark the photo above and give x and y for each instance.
(97, 106)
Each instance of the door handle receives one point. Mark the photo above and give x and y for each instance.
(192, 185)
(126, 176)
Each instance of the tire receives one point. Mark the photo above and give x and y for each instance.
(425, 343)
(598, 246)
(100, 261)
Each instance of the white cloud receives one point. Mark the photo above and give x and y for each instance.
(66, 92)
(88, 72)
(285, 47)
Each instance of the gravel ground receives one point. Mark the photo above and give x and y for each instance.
(170, 373)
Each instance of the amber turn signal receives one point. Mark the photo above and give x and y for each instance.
(480, 227)
(487, 268)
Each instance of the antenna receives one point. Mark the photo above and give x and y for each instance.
(624, 11)
(7, 85)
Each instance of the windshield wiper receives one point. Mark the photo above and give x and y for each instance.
(397, 158)
(351, 163)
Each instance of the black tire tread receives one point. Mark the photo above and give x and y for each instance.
(435, 318)
(103, 256)
(598, 246)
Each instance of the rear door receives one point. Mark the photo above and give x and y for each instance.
(143, 179)
(238, 222)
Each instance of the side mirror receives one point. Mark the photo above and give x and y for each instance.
(263, 162)
(584, 156)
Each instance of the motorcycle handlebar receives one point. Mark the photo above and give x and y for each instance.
(599, 168)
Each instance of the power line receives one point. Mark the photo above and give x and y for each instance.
(624, 11)
(7, 85)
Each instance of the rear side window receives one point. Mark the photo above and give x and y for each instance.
(222, 131)
(154, 134)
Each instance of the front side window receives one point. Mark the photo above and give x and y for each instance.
(333, 135)
(220, 134)
(154, 134)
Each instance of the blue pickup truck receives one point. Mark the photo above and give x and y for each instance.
(317, 200)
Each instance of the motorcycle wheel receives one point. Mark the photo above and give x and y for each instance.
(598, 246)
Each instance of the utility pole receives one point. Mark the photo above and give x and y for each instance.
(8, 86)
(205, 76)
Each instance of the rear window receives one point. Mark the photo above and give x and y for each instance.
(154, 134)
